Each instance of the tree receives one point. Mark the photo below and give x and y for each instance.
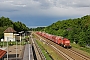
(77, 30)
(19, 26)
(6, 22)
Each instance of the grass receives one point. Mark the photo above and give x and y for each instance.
(43, 51)
(85, 49)
(49, 53)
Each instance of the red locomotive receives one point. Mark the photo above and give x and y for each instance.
(64, 42)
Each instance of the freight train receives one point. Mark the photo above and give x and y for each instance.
(64, 42)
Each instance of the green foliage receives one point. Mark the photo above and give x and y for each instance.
(43, 50)
(19, 26)
(77, 30)
(1, 31)
(6, 22)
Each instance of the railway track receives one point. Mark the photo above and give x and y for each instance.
(72, 53)
(39, 54)
(65, 56)
(69, 54)
(79, 54)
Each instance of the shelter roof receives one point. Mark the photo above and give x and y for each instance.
(9, 30)
(2, 53)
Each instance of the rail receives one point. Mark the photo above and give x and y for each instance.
(79, 54)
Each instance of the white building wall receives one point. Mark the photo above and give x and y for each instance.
(9, 36)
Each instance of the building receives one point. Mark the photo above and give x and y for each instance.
(9, 34)
(2, 54)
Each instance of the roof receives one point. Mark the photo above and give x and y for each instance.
(2, 53)
(9, 30)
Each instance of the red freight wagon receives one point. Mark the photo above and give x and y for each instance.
(53, 38)
(37, 32)
(58, 39)
(49, 36)
(40, 33)
(43, 34)
(46, 35)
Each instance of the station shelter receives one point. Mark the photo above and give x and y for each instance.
(9, 34)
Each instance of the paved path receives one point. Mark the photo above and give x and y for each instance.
(28, 54)
(12, 50)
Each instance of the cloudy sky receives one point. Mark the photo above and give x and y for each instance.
(43, 12)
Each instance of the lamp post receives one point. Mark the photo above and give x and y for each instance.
(20, 38)
(16, 45)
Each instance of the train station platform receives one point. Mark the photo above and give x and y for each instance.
(28, 53)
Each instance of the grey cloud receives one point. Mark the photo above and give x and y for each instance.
(50, 3)
(3, 10)
(45, 7)
(78, 3)
(44, 3)
(83, 4)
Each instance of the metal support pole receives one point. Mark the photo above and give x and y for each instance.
(16, 49)
(24, 35)
(16, 44)
(29, 51)
(20, 42)
(7, 48)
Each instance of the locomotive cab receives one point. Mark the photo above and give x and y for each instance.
(66, 43)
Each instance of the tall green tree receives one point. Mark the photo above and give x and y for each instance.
(19, 26)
